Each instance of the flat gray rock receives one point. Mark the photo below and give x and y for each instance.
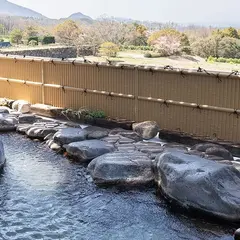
(126, 147)
(42, 129)
(39, 132)
(69, 135)
(89, 149)
(121, 168)
(93, 132)
(23, 128)
(211, 150)
(125, 133)
(201, 184)
(27, 118)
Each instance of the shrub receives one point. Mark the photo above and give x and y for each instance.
(48, 40)
(33, 43)
(1, 40)
(212, 59)
(148, 55)
(109, 49)
(16, 36)
(33, 39)
(97, 114)
(83, 114)
(222, 60)
(186, 50)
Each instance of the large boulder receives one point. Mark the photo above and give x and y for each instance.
(122, 168)
(201, 184)
(88, 150)
(2, 155)
(21, 106)
(237, 234)
(147, 130)
(210, 150)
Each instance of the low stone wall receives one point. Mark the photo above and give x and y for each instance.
(87, 51)
(54, 52)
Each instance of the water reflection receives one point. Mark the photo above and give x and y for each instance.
(44, 196)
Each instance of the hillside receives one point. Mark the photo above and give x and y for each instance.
(11, 9)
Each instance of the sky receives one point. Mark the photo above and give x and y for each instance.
(181, 11)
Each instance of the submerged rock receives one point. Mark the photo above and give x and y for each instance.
(121, 168)
(7, 123)
(201, 184)
(52, 145)
(88, 150)
(2, 155)
(147, 130)
(5, 110)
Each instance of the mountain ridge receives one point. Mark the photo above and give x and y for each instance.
(12, 9)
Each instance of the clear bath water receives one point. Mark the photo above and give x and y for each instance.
(43, 195)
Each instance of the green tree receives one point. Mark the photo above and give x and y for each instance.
(31, 31)
(67, 32)
(227, 32)
(229, 48)
(204, 47)
(141, 29)
(230, 32)
(16, 36)
(109, 49)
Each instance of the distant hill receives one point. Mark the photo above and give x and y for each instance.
(79, 16)
(11, 9)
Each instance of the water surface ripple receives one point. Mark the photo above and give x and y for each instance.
(45, 196)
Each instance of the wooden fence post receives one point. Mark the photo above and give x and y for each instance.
(43, 82)
(136, 94)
